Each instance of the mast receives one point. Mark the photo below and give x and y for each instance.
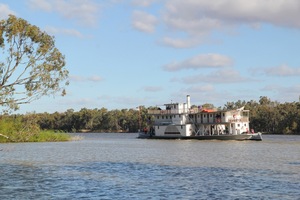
(188, 101)
(139, 129)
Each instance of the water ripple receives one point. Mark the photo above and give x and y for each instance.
(108, 180)
(118, 166)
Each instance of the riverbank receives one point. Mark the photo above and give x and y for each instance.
(42, 136)
(19, 129)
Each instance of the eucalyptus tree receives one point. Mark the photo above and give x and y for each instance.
(30, 64)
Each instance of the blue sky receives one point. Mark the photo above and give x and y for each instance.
(126, 53)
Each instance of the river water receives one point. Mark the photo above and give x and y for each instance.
(119, 166)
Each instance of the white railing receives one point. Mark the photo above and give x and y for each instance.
(196, 111)
(178, 111)
(166, 112)
(243, 119)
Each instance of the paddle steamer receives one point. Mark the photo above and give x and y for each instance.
(181, 121)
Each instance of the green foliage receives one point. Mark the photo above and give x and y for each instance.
(30, 64)
(50, 136)
(208, 106)
(26, 129)
(8, 128)
(265, 115)
(274, 117)
(95, 120)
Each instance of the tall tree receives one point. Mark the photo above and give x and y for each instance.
(30, 64)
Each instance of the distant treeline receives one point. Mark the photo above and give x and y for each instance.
(265, 116)
(271, 116)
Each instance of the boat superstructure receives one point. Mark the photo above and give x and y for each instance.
(180, 120)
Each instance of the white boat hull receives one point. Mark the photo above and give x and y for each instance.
(181, 121)
(255, 136)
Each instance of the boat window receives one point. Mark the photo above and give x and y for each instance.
(162, 117)
(204, 115)
(166, 117)
(245, 114)
(181, 127)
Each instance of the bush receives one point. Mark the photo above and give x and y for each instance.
(49, 136)
(26, 129)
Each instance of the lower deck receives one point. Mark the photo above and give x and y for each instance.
(254, 136)
(201, 129)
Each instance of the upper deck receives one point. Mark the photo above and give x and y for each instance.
(181, 113)
(201, 116)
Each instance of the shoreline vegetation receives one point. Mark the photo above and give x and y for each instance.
(31, 67)
(43, 136)
(26, 129)
(266, 116)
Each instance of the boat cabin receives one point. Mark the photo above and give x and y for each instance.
(181, 119)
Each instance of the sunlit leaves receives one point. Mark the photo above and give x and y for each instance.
(31, 66)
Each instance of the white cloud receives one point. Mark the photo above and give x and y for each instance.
(44, 5)
(95, 78)
(293, 90)
(199, 18)
(200, 61)
(182, 42)
(5, 11)
(58, 31)
(144, 22)
(282, 70)
(82, 102)
(201, 93)
(84, 12)
(127, 101)
(85, 79)
(219, 76)
(284, 93)
(201, 88)
(152, 88)
(143, 3)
